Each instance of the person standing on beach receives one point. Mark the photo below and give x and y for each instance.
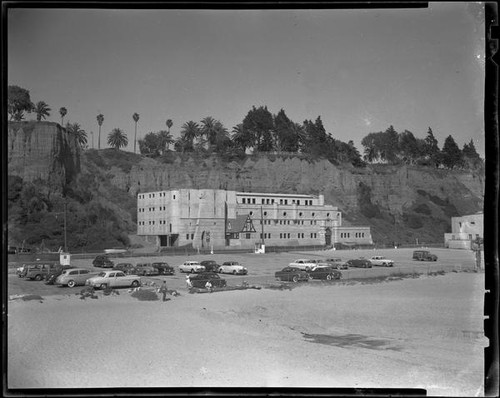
(188, 282)
(164, 290)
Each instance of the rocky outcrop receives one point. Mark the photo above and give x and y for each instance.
(42, 150)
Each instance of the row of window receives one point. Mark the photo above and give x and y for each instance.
(253, 201)
(356, 234)
(152, 195)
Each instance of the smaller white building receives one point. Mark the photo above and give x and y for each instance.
(464, 231)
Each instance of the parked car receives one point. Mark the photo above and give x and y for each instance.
(164, 268)
(381, 261)
(291, 274)
(424, 255)
(359, 263)
(336, 262)
(38, 270)
(325, 272)
(127, 268)
(145, 269)
(232, 267)
(74, 277)
(304, 264)
(191, 266)
(50, 278)
(113, 278)
(200, 280)
(210, 265)
(102, 261)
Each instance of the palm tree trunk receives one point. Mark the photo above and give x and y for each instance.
(99, 139)
(135, 137)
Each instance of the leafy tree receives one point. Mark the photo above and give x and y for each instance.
(470, 155)
(100, 120)
(316, 141)
(63, 111)
(383, 146)
(287, 137)
(242, 139)
(117, 138)
(135, 116)
(259, 124)
(18, 102)
(42, 110)
(431, 149)
(76, 131)
(151, 145)
(451, 154)
(409, 148)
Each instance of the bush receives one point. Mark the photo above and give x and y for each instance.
(145, 295)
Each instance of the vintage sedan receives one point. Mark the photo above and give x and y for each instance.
(201, 279)
(127, 268)
(74, 277)
(325, 272)
(304, 264)
(232, 267)
(359, 263)
(381, 261)
(210, 265)
(191, 266)
(102, 261)
(336, 262)
(291, 274)
(145, 269)
(50, 278)
(164, 268)
(113, 279)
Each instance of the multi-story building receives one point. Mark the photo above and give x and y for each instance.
(464, 231)
(221, 218)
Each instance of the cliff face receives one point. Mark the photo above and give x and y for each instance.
(400, 203)
(42, 150)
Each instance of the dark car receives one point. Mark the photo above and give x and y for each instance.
(201, 279)
(210, 265)
(164, 268)
(50, 278)
(291, 274)
(126, 268)
(424, 255)
(102, 261)
(359, 263)
(38, 270)
(325, 272)
(145, 269)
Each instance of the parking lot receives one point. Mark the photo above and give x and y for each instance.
(261, 267)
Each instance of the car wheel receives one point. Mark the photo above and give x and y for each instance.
(295, 278)
(135, 283)
(192, 271)
(71, 284)
(38, 277)
(103, 286)
(234, 272)
(329, 277)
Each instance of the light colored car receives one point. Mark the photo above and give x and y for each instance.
(191, 266)
(381, 261)
(74, 277)
(304, 264)
(336, 262)
(232, 267)
(113, 278)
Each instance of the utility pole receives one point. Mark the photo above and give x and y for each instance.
(65, 238)
(262, 226)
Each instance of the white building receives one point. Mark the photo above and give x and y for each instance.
(220, 218)
(464, 230)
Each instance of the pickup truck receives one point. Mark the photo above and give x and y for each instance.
(304, 264)
(381, 261)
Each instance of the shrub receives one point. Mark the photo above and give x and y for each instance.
(145, 295)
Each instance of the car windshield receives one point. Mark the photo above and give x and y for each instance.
(101, 274)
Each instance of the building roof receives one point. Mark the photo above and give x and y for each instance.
(242, 223)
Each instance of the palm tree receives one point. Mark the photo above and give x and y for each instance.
(169, 124)
(75, 130)
(208, 129)
(117, 138)
(42, 110)
(100, 119)
(135, 116)
(165, 140)
(189, 131)
(63, 111)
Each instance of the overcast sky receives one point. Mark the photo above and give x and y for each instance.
(360, 70)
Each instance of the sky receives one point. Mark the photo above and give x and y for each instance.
(359, 70)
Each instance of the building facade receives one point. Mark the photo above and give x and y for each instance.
(464, 231)
(218, 218)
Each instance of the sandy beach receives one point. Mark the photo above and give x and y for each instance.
(425, 332)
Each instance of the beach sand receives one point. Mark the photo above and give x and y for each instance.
(413, 333)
